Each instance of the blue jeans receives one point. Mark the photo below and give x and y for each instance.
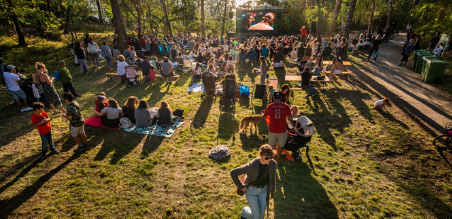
(263, 77)
(311, 89)
(47, 139)
(317, 71)
(257, 199)
(108, 61)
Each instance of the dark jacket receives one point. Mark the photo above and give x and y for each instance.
(251, 170)
(164, 117)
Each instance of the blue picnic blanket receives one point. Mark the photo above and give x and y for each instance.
(155, 130)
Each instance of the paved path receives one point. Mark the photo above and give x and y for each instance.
(424, 103)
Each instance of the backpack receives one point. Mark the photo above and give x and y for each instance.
(57, 77)
(125, 123)
(93, 48)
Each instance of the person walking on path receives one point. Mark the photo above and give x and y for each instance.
(259, 183)
(81, 58)
(407, 52)
(375, 48)
(66, 78)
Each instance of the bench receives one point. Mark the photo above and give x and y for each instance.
(110, 76)
(344, 73)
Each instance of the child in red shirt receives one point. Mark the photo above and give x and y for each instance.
(152, 75)
(41, 120)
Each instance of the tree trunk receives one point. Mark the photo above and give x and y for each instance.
(119, 24)
(336, 13)
(371, 17)
(17, 26)
(318, 24)
(388, 21)
(349, 18)
(203, 32)
(166, 16)
(67, 19)
(224, 17)
(99, 11)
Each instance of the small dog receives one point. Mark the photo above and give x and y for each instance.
(250, 120)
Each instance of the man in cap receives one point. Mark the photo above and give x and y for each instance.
(277, 126)
(12, 80)
(265, 24)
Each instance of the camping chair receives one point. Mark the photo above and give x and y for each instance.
(187, 64)
(180, 63)
(208, 79)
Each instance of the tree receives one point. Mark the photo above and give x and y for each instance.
(349, 18)
(371, 16)
(17, 26)
(317, 25)
(99, 11)
(166, 16)
(336, 13)
(388, 21)
(119, 24)
(203, 31)
(224, 17)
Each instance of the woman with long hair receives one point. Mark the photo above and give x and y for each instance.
(113, 112)
(143, 114)
(164, 114)
(285, 90)
(128, 109)
(50, 93)
(259, 183)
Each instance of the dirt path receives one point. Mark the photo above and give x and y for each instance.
(424, 103)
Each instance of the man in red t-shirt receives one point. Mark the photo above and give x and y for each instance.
(304, 32)
(40, 120)
(277, 127)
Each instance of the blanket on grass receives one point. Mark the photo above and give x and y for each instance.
(95, 121)
(196, 88)
(156, 130)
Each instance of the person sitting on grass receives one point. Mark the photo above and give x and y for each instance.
(41, 121)
(164, 115)
(167, 69)
(143, 115)
(12, 81)
(129, 108)
(152, 75)
(197, 72)
(381, 104)
(76, 122)
(306, 77)
(145, 66)
(113, 113)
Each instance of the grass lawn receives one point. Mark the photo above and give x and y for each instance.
(362, 163)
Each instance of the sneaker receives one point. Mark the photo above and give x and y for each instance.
(78, 96)
(400, 64)
(22, 110)
(55, 152)
(43, 156)
(316, 94)
(296, 155)
(28, 109)
(79, 149)
(85, 145)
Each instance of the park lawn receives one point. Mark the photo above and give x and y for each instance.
(362, 163)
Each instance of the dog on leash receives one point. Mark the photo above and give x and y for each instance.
(247, 121)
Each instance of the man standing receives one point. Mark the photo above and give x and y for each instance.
(12, 81)
(306, 77)
(76, 122)
(277, 127)
(66, 78)
(304, 32)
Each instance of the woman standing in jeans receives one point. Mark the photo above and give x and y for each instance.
(260, 181)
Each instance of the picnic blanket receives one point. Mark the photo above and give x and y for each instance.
(196, 87)
(95, 121)
(155, 130)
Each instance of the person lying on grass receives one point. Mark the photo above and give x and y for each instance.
(381, 104)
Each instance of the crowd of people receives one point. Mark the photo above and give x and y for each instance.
(213, 55)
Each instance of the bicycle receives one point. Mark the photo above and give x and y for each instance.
(444, 142)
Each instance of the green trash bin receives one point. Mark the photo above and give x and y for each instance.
(418, 54)
(423, 64)
(433, 70)
(420, 62)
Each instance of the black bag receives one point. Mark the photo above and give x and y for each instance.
(179, 113)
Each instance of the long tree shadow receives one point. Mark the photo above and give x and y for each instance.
(122, 144)
(307, 197)
(10, 127)
(151, 144)
(203, 112)
(17, 166)
(8, 206)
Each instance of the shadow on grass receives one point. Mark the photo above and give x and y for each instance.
(122, 144)
(14, 124)
(8, 206)
(151, 144)
(203, 112)
(299, 195)
(228, 125)
(252, 141)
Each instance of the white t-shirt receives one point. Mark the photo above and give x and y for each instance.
(121, 68)
(112, 113)
(12, 80)
(438, 50)
(197, 71)
(379, 103)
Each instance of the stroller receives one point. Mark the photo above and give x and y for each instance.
(208, 79)
(295, 140)
(26, 86)
(229, 89)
